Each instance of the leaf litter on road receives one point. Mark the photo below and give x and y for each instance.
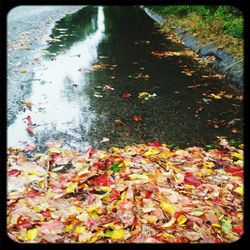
(141, 193)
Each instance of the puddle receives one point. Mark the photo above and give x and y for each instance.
(71, 103)
(60, 106)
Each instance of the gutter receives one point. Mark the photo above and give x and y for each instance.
(231, 66)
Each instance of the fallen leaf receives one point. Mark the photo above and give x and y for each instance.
(126, 95)
(137, 118)
(104, 139)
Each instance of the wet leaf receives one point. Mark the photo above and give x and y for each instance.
(116, 234)
(137, 118)
(102, 180)
(139, 193)
(28, 104)
(208, 147)
(155, 144)
(116, 168)
(126, 95)
(104, 139)
(239, 190)
(181, 219)
(191, 180)
(167, 207)
(32, 234)
(119, 122)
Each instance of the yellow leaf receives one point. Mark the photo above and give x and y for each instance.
(68, 228)
(80, 229)
(152, 219)
(240, 215)
(34, 172)
(134, 232)
(23, 71)
(115, 150)
(116, 234)
(96, 236)
(167, 207)
(237, 155)
(166, 235)
(239, 190)
(28, 103)
(143, 94)
(138, 177)
(105, 188)
(166, 154)
(216, 225)
(208, 164)
(32, 234)
(181, 219)
(71, 186)
(216, 96)
(151, 151)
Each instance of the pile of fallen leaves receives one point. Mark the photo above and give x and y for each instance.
(142, 193)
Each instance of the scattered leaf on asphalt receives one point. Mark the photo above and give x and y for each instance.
(137, 118)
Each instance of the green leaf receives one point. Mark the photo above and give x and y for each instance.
(116, 168)
(173, 146)
(208, 147)
(226, 225)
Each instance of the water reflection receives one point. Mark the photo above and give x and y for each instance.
(71, 29)
(60, 106)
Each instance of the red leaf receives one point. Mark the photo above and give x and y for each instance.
(237, 230)
(148, 195)
(217, 200)
(33, 193)
(191, 180)
(102, 180)
(28, 118)
(54, 157)
(22, 222)
(137, 118)
(90, 151)
(115, 194)
(98, 164)
(46, 213)
(232, 169)
(14, 172)
(238, 173)
(155, 144)
(30, 130)
(216, 240)
(126, 95)
(177, 214)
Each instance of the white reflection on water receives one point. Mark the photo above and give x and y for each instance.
(58, 106)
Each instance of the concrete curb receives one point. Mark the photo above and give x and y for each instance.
(232, 66)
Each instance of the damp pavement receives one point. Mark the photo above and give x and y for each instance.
(74, 70)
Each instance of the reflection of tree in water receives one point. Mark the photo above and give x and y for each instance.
(71, 29)
(124, 20)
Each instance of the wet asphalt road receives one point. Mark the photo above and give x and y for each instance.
(75, 71)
